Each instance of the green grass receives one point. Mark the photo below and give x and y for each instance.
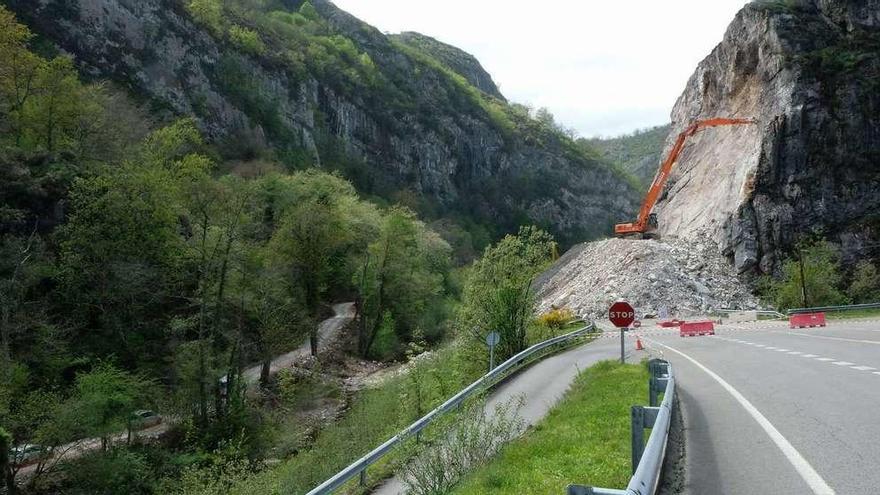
(585, 439)
(857, 313)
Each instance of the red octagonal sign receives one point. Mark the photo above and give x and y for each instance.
(621, 314)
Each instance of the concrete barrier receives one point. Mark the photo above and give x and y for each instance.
(694, 328)
(804, 320)
(742, 316)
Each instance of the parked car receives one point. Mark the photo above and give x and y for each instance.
(28, 453)
(145, 418)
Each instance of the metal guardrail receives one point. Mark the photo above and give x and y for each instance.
(820, 309)
(359, 467)
(767, 312)
(647, 459)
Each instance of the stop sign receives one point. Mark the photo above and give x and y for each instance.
(621, 314)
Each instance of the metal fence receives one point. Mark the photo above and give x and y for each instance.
(821, 309)
(647, 459)
(359, 467)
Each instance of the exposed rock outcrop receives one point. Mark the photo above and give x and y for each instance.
(461, 62)
(414, 132)
(809, 72)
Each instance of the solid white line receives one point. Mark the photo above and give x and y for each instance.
(875, 342)
(801, 465)
(843, 363)
(863, 368)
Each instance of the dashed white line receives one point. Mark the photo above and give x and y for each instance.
(843, 363)
(795, 353)
(810, 355)
(824, 359)
(876, 372)
(875, 342)
(803, 467)
(863, 368)
(781, 350)
(770, 348)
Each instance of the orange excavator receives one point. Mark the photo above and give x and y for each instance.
(644, 226)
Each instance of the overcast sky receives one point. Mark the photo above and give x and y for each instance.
(602, 67)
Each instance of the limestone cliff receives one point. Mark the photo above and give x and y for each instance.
(423, 124)
(809, 72)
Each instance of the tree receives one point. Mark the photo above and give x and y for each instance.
(310, 242)
(402, 273)
(5, 468)
(865, 285)
(498, 295)
(104, 400)
(812, 279)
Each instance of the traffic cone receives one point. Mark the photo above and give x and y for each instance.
(639, 346)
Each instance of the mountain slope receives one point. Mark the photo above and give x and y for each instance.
(310, 84)
(637, 153)
(807, 70)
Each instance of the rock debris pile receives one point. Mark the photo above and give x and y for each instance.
(685, 277)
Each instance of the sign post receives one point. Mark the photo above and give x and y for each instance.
(621, 314)
(492, 340)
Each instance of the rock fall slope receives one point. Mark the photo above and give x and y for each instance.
(809, 72)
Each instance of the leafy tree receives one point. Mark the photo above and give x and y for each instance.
(402, 272)
(498, 295)
(865, 285)
(5, 468)
(820, 264)
(310, 242)
(104, 400)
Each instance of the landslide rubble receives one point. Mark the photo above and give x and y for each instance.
(686, 277)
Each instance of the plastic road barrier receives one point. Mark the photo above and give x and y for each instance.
(694, 328)
(803, 320)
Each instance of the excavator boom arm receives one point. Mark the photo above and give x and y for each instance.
(663, 174)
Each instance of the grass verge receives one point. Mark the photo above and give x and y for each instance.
(856, 313)
(584, 439)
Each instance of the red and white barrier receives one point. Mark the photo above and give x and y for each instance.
(804, 320)
(694, 328)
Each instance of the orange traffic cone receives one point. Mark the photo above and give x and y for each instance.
(639, 346)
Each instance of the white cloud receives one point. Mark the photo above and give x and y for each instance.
(602, 67)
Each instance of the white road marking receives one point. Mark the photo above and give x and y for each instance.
(770, 348)
(863, 368)
(795, 352)
(824, 359)
(875, 342)
(781, 350)
(876, 372)
(760, 345)
(843, 363)
(810, 355)
(801, 465)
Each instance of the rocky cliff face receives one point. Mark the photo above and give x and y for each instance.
(461, 62)
(809, 72)
(394, 119)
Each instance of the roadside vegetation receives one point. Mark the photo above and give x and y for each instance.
(815, 276)
(584, 439)
(142, 270)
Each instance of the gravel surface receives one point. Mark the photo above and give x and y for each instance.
(685, 277)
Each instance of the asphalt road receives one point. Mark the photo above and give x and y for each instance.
(768, 410)
(541, 386)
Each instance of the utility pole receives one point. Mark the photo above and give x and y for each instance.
(803, 280)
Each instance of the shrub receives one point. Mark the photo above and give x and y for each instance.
(114, 471)
(247, 39)
(556, 319)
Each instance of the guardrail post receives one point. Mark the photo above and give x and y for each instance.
(637, 414)
(363, 477)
